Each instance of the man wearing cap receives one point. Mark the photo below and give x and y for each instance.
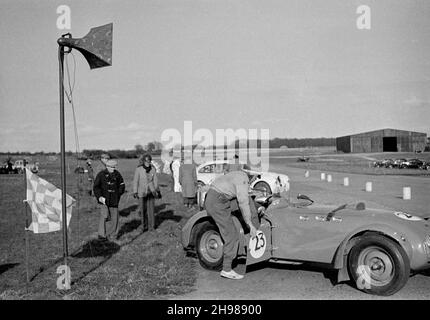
(90, 172)
(233, 185)
(108, 188)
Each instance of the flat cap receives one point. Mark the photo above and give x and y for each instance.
(111, 163)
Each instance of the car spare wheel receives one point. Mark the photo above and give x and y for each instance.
(209, 246)
(378, 265)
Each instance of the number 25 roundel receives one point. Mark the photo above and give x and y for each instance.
(257, 245)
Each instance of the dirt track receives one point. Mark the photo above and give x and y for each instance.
(283, 281)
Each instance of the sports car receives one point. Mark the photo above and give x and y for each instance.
(375, 249)
(268, 182)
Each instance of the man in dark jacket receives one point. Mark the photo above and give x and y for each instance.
(108, 188)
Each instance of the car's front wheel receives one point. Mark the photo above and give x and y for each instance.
(378, 265)
(209, 246)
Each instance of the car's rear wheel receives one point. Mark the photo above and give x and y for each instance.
(378, 265)
(264, 186)
(209, 246)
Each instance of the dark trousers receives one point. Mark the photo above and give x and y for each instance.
(146, 208)
(108, 213)
(218, 207)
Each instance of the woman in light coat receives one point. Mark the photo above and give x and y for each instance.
(176, 164)
(145, 188)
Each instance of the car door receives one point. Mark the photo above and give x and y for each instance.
(304, 234)
(260, 247)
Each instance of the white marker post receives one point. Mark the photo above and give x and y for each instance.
(406, 193)
(368, 186)
(346, 181)
(322, 176)
(329, 178)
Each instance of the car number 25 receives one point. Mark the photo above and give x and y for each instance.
(257, 245)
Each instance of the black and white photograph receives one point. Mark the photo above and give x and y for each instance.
(211, 155)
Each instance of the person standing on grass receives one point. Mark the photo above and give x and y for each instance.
(145, 188)
(176, 164)
(188, 182)
(233, 185)
(90, 172)
(108, 188)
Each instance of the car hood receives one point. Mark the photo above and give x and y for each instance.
(367, 216)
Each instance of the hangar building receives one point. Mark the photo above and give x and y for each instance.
(384, 140)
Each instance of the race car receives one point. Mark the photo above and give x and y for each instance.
(376, 249)
(268, 182)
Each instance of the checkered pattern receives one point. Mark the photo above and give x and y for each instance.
(44, 200)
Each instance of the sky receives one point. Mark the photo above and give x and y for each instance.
(301, 69)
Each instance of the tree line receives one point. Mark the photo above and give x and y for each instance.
(156, 147)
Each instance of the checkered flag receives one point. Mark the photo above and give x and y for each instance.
(44, 200)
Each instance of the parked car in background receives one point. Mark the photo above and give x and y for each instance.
(425, 165)
(20, 164)
(412, 164)
(387, 163)
(267, 182)
(398, 163)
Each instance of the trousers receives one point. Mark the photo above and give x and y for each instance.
(218, 207)
(110, 228)
(146, 208)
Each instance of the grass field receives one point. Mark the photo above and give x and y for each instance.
(149, 265)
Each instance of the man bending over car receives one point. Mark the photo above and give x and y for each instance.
(222, 190)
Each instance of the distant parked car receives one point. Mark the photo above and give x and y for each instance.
(21, 164)
(398, 163)
(388, 163)
(425, 165)
(412, 164)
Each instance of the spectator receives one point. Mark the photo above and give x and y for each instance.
(90, 172)
(145, 188)
(188, 182)
(175, 173)
(108, 188)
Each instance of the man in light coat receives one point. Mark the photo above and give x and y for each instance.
(145, 188)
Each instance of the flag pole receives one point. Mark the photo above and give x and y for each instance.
(63, 153)
(27, 244)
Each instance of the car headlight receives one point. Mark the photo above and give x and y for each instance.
(426, 244)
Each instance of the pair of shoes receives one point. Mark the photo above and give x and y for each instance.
(231, 275)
